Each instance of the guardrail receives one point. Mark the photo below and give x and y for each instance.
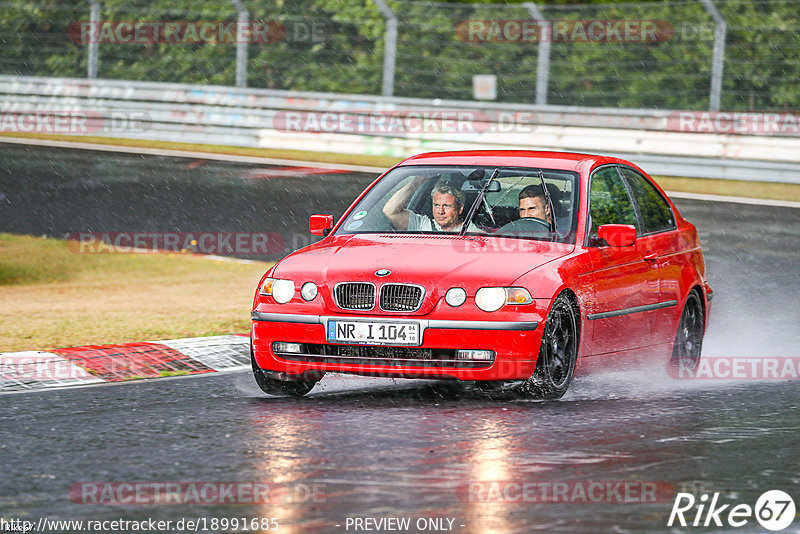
(360, 124)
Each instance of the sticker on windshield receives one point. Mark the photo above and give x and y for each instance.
(359, 215)
(355, 224)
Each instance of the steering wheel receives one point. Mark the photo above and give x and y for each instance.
(526, 226)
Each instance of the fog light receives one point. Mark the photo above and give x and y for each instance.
(309, 291)
(455, 297)
(485, 355)
(283, 347)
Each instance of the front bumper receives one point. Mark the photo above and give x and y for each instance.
(515, 345)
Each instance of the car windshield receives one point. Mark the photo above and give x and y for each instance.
(438, 199)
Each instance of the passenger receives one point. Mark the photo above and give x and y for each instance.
(448, 205)
(533, 204)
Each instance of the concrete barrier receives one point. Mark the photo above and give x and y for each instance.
(280, 119)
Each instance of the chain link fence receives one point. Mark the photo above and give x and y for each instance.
(651, 55)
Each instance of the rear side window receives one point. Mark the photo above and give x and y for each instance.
(609, 202)
(653, 208)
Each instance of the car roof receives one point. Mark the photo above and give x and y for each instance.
(571, 161)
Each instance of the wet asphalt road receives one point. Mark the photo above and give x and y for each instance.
(371, 448)
(378, 448)
(59, 191)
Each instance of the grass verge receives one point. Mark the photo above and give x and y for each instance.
(732, 188)
(301, 155)
(51, 297)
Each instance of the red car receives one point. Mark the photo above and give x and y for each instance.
(510, 268)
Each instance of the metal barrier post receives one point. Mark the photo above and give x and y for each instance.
(543, 60)
(242, 38)
(390, 47)
(94, 18)
(718, 60)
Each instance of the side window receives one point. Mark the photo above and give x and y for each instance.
(609, 202)
(655, 212)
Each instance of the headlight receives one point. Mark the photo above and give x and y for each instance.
(493, 298)
(455, 297)
(281, 290)
(490, 298)
(309, 291)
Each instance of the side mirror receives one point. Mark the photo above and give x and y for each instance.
(320, 224)
(617, 235)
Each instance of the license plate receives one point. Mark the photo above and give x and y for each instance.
(373, 333)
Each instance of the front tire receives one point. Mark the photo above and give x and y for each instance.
(558, 352)
(689, 337)
(279, 388)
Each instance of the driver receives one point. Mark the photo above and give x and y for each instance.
(532, 204)
(448, 204)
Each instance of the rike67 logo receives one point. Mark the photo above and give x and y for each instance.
(774, 510)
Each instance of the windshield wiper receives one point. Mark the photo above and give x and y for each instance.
(474, 207)
(553, 227)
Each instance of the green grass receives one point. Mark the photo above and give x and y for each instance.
(173, 373)
(302, 155)
(30, 260)
(52, 297)
(733, 188)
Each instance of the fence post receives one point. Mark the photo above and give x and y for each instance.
(390, 47)
(242, 39)
(718, 60)
(543, 60)
(94, 19)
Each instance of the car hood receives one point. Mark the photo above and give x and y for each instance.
(436, 262)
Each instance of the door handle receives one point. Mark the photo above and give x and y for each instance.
(652, 256)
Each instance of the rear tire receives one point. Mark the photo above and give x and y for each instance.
(558, 352)
(689, 337)
(279, 388)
